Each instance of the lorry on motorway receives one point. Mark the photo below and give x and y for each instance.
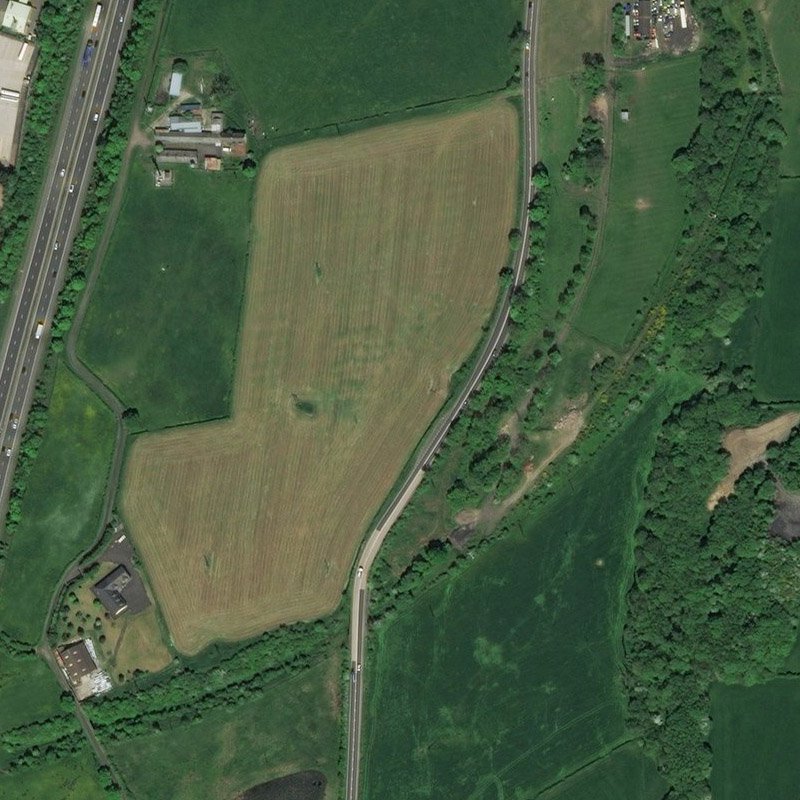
(87, 53)
(96, 20)
(37, 334)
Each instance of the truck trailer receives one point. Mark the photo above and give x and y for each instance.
(37, 334)
(96, 20)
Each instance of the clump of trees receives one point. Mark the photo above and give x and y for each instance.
(586, 158)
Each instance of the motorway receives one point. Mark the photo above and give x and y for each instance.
(435, 436)
(43, 268)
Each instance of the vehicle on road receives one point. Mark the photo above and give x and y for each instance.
(14, 421)
(87, 54)
(71, 188)
(37, 334)
(358, 667)
(8, 452)
(62, 172)
(96, 20)
(56, 245)
(360, 571)
(95, 116)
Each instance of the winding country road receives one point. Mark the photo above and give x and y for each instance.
(415, 471)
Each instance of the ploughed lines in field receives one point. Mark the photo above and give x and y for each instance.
(374, 264)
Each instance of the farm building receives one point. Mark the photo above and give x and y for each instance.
(17, 17)
(78, 662)
(178, 156)
(109, 590)
(217, 121)
(182, 125)
(212, 163)
(175, 84)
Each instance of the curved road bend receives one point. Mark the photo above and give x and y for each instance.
(415, 471)
(57, 219)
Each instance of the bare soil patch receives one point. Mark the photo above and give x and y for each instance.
(599, 107)
(747, 446)
(786, 524)
(564, 432)
(374, 265)
(643, 204)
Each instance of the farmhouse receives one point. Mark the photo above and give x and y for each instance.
(109, 590)
(78, 662)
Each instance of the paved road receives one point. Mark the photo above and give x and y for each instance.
(42, 272)
(434, 438)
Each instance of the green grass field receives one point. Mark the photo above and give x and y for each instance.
(777, 324)
(782, 21)
(645, 202)
(162, 325)
(293, 726)
(28, 691)
(625, 774)
(303, 66)
(560, 113)
(73, 778)
(755, 738)
(569, 28)
(61, 506)
(503, 681)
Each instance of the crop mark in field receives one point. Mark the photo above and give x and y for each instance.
(336, 379)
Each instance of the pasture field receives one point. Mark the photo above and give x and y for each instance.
(73, 778)
(61, 507)
(304, 66)
(28, 691)
(777, 326)
(625, 774)
(569, 28)
(782, 21)
(374, 266)
(560, 113)
(162, 325)
(755, 738)
(645, 205)
(503, 681)
(293, 726)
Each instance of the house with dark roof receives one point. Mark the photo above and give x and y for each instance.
(109, 590)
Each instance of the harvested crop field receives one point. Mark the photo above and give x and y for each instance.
(374, 265)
